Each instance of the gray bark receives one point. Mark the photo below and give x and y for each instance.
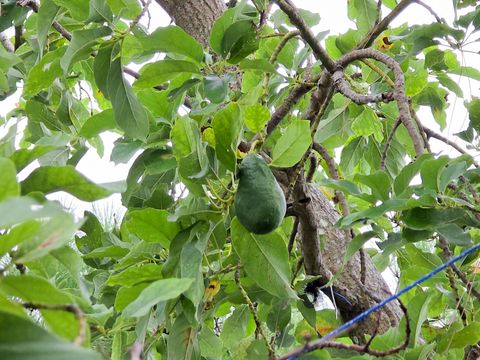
(317, 215)
(196, 17)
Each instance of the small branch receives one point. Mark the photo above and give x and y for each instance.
(274, 57)
(7, 44)
(292, 98)
(383, 159)
(293, 235)
(139, 17)
(258, 331)
(312, 167)
(430, 10)
(307, 34)
(72, 308)
(382, 25)
(443, 139)
(56, 25)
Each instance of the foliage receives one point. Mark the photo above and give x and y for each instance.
(166, 278)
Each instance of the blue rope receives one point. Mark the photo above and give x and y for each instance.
(366, 313)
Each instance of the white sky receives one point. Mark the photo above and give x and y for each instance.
(334, 18)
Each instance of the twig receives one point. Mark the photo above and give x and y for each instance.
(443, 139)
(258, 331)
(56, 25)
(383, 159)
(7, 44)
(312, 167)
(72, 308)
(293, 234)
(139, 17)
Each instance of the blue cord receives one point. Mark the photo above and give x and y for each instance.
(366, 313)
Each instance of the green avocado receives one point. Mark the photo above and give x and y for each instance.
(259, 200)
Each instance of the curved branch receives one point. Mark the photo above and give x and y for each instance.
(399, 95)
(360, 99)
(7, 44)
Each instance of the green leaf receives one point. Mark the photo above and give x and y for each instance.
(161, 290)
(81, 45)
(227, 125)
(364, 13)
(473, 108)
(235, 327)
(210, 345)
(136, 275)
(379, 182)
(351, 154)
(218, 29)
(46, 14)
(430, 172)
(406, 175)
(98, 123)
(33, 289)
(292, 145)
(257, 64)
(256, 116)
(49, 179)
(99, 12)
(175, 40)
(126, 295)
(18, 209)
(450, 172)
(21, 339)
(161, 71)
(128, 9)
(182, 341)
(36, 238)
(469, 335)
(422, 218)
(78, 9)
(130, 114)
(188, 149)
(43, 74)
(454, 234)
(8, 179)
(418, 313)
(151, 225)
(215, 88)
(374, 212)
(265, 259)
(368, 123)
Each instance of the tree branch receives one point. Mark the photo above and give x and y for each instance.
(7, 44)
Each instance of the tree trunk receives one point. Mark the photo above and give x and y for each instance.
(317, 215)
(196, 17)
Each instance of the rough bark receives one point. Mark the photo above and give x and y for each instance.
(317, 221)
(317, 215)
(196, 17)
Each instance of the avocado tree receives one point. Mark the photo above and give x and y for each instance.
(186, 274)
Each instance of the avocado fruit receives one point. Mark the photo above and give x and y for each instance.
(259, 201)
